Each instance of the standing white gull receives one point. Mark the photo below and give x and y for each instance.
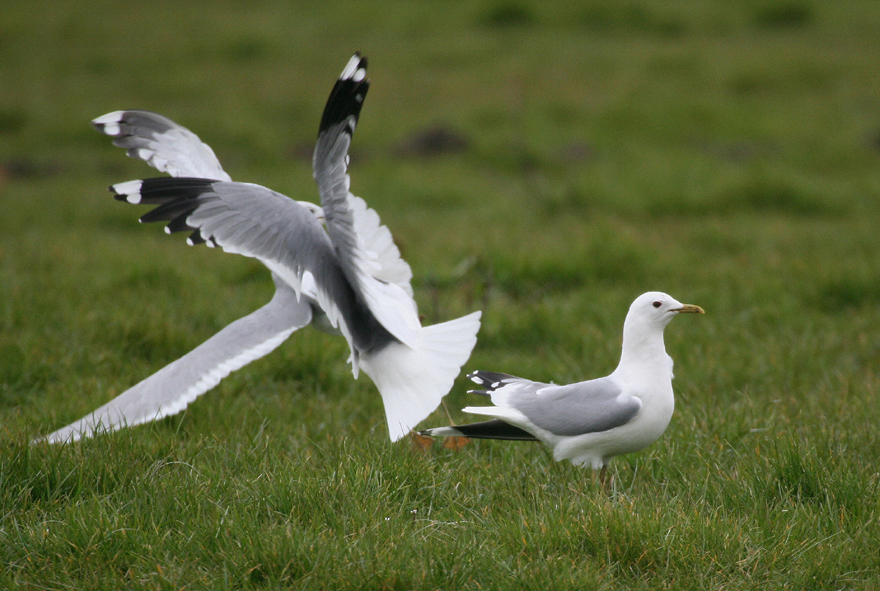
(589, 422)
(348, 278)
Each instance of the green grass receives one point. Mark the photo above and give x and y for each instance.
(725, 152)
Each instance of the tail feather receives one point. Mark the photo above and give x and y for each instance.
(413, 380)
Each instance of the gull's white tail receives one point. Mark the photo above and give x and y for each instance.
(413, 380)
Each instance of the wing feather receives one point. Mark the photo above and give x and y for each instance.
(161, 143)
(175, 386)
(389, 302)
(573, 409)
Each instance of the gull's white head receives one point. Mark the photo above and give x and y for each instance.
(656, 309)
(316, 210)
(644, 324)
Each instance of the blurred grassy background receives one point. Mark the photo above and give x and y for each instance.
(544, 162)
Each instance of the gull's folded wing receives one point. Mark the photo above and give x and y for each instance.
(573, 409)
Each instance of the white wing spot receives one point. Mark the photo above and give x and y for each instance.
(350, 68)
(128, 187)
(359, 75)
(111, 129)
(110, 123)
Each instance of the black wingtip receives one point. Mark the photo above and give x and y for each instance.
(195, 238)
(347, 96)
(495, 429)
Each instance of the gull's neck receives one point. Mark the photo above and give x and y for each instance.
(645, 371)
(642, 346)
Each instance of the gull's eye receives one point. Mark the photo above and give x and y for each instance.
(657, 304)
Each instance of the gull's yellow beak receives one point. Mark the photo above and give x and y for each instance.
(689, 309)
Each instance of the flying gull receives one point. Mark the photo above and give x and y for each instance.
(589, 422)
(334, 266)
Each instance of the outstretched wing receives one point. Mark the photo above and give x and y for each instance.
(161, 143)
(253, 221)
(172, 148)
(171, 389)
(390, 303)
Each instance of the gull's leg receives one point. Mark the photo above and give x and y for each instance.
(453, 442)
(446, 410)
(423, 442)
(603, 475)
(420, 443)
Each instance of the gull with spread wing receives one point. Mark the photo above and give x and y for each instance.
(589, 422)
(334, 266)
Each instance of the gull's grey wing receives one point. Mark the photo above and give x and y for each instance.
(255, 222)
(389, 302)
(574, 409)
(172, 388)
(161, 143)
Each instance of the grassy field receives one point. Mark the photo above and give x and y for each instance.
(727, 153)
